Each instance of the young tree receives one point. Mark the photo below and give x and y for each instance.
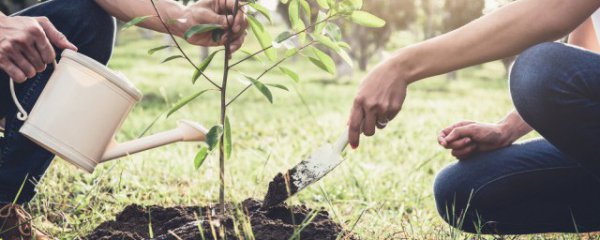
(300, 40)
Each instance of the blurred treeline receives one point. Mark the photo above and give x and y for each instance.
(408, 21)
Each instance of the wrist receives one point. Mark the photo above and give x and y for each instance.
(508, 134)
(405, 65)
(174, 15)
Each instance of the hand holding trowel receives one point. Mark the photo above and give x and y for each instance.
(320, 163)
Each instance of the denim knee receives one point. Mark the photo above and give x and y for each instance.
(83, 22)
(94, 38)
(452, 195)
(537, 79)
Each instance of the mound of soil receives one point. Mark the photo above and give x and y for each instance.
(276, 223)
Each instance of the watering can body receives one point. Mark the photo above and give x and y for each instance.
(83, 106)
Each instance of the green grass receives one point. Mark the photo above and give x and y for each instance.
(382, 191)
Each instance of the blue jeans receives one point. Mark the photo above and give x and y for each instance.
(92, 30)
(545, 185)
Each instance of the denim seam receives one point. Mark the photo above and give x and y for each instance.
(10, 132)
(518, 173)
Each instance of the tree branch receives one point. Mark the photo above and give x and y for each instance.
(288, 37)
(266, 71)
(179, 46)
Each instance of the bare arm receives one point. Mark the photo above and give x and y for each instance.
(180, 18)
(503, 33)
(585, 36)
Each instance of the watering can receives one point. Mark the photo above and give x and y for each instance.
(82, 107)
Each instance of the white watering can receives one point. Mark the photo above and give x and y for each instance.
(82, 107)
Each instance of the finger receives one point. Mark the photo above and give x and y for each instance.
(237, 43)
(459, 132)
(449, 129)
(370, 121)
(45, 49)
(239, 22)
(23, 64)
(464, 152)
(355, 123)
(34, 57)
(225, 6)
(55, 36)
(12, 70)
(460, 143)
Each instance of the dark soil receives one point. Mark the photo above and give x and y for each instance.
(276, 223)
(280, 188)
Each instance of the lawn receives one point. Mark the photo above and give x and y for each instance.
(382, 191)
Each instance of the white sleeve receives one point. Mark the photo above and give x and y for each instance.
(596, 21)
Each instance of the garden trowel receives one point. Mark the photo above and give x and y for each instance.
(311, 170)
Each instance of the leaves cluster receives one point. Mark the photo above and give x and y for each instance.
(305, 38)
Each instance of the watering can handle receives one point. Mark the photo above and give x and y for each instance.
(22, 114)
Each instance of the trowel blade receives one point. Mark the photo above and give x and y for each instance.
(320, 163)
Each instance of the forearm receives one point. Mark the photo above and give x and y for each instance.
(506, 32)
(514, 127)
(125, 10)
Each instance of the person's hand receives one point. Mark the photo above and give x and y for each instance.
(214, 12)
(466, 137)
(26, 45)
(378, 101)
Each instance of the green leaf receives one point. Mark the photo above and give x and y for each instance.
(355, 4)
(135, 21)
(278, 86)
(366, 19)
(307, 10)
(325, 41)
(293, 75)
(227, 143)
(283, 36)
(171, 58)
(184, 102)
(344, 45)
(346, 57)
(318, 63)
(200, 157)
(203, 65)
(156, 49)
(323, 61)
(217, 34)
(333, 31)
(200, 28)
(294, 12)
(212, 138)
(262, 88)
(320, 18)
(262, 10)
(264, 39)
(323, 4)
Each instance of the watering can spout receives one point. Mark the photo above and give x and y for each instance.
(185, 131)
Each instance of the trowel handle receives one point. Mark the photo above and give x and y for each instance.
(341, 142)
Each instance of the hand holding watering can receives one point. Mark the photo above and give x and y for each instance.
(82, 107)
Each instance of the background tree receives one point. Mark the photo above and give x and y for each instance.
(367, 42)
(457, 14)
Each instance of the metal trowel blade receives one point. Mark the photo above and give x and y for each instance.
(320, 163)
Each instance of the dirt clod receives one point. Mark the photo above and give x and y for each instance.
(280, 188)
(278, 222)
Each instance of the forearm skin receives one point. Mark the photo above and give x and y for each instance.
(504, 33)
(125, 10)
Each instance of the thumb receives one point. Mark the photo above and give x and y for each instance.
(56, 37)
(460, 132)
